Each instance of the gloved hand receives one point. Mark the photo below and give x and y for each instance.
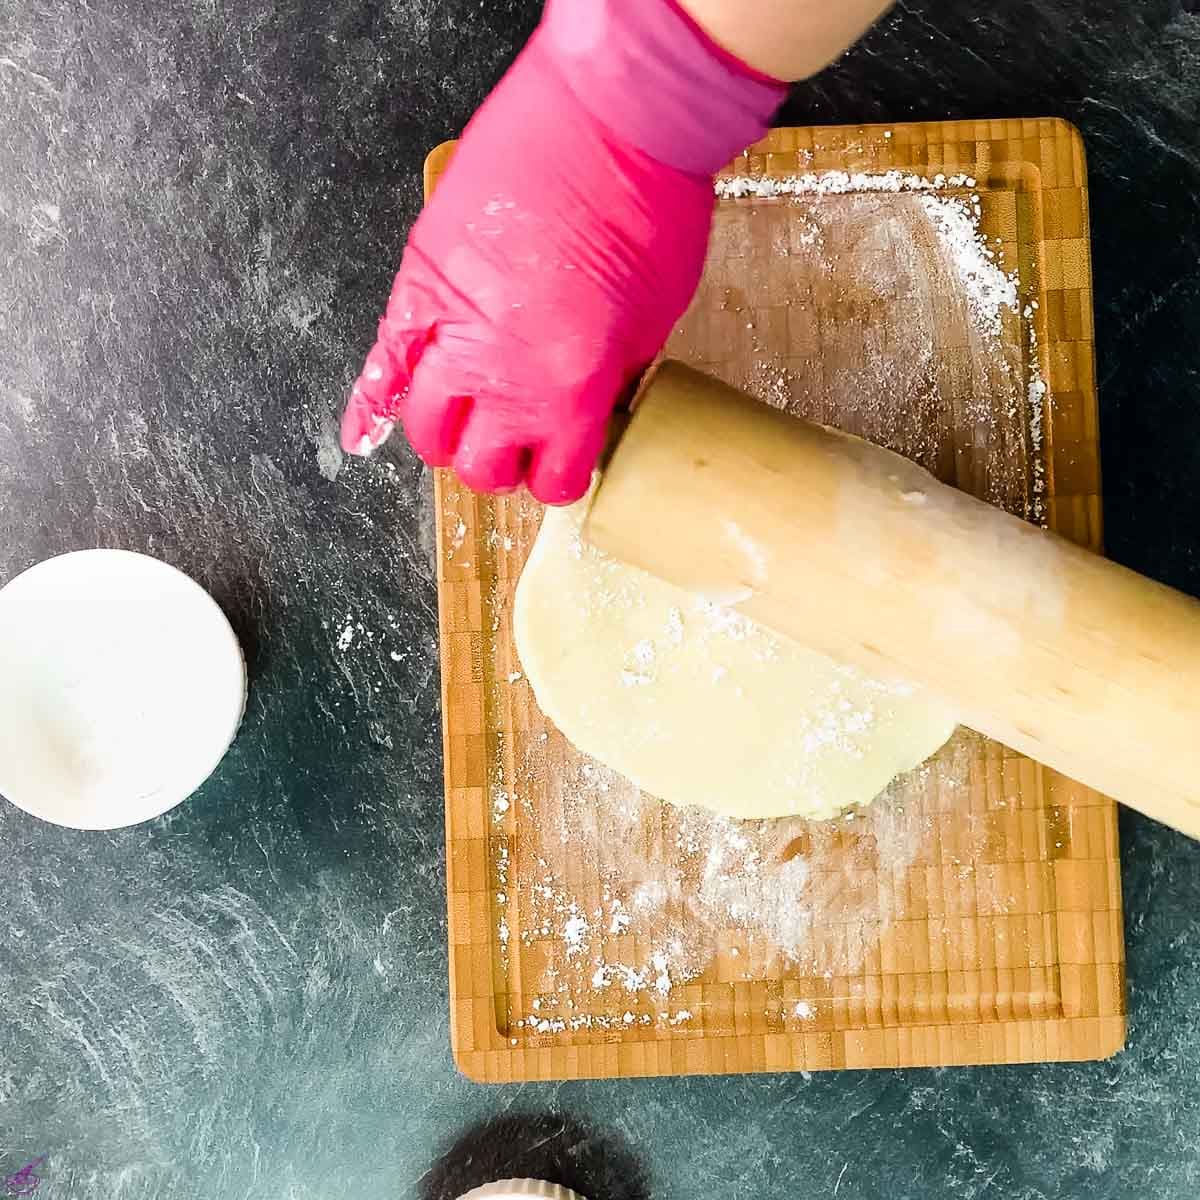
(564, 241)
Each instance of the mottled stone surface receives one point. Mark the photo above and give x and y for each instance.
(201, 203)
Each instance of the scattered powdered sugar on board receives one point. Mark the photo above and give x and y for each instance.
(626, 901)
(834, 183)
(614, 911)
(988, 289)
(874, 302)
(1038, 396)
(458, 533)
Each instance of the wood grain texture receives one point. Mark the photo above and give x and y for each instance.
(1005, 939)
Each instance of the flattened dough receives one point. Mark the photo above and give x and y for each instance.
(695, 703)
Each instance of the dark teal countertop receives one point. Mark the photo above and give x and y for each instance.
(201, 206)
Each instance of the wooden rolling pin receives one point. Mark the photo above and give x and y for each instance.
(853, 550)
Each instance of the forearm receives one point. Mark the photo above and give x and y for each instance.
(789, 39)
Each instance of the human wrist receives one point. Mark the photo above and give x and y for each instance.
(787, 39)
(658, 81)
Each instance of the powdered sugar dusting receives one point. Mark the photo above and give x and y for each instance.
(895, 318)
(834, 183)
(988, 289)
(904, 324)
(626, 902)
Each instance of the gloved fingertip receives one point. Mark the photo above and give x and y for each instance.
(558, 496)
(364, 428)
(560, 478)
(494, 468)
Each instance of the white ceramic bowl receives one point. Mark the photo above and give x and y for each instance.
(121, 687)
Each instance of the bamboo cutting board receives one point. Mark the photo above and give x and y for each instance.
(972, 915)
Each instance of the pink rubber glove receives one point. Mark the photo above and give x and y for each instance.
(565, 240)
